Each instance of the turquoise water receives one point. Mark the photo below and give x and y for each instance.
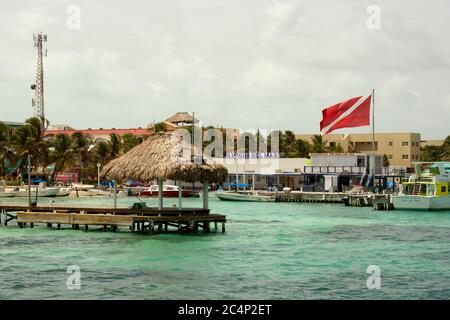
(270, 251)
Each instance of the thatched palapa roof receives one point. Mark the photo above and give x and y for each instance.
(181, 117)
(160, 156)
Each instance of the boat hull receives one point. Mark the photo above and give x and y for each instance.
(7, 194)
(52, 192)
(427, 203)
(231, 196)
(166, 194)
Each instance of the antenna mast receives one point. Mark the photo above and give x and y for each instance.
(38, 86)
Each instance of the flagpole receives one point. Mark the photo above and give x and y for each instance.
(373, 121)
(372, 169)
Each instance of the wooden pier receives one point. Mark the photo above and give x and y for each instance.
(148, 220)
(382, 202)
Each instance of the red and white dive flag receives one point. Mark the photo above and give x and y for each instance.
(354, 112)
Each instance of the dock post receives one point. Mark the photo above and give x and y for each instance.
(160, 194)
(215, 225)
(205, 195)
(115, 194)
(223, 226)
(49, 225)
(180, 196)
(59, 226)
(165, 227)
(86, 227)
(151, 227)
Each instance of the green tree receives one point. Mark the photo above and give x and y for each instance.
(318, 144)
(129, 141)
(82, 144)
(63, 153)
(445, 149)
(335, 148)
(115, 145)
(100, 153)
(431, 153)
(5, 149)
(28, 140)
(159, 127)
(303, 148)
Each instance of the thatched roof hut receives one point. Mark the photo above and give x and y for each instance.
(181, 118)
(159, 157)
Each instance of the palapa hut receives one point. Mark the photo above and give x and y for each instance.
(166, 157)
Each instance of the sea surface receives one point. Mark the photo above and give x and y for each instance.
(269, 251)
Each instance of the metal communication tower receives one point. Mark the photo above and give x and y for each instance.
(38, 86)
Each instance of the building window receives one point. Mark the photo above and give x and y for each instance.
(405, 143)
(390, 156)
(405, 157)
(443, 189)
(391, 143)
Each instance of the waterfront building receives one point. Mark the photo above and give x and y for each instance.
(401, 149)
(264, 173)
(343, 171)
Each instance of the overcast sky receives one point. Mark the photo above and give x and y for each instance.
(235, 63)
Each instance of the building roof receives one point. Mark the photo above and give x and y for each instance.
(12, 124)
(181, 117)
(97, 132)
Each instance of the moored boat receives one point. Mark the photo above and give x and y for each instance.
(7, 194)
(426, 189)
(244, 196)
(169, 191)
(38, 192)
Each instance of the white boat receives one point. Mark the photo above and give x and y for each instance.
(243, 196)
(63, 192)
(426, 189)
(38, 191)
(7, 193)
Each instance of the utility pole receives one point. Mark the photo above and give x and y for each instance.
(38, 86)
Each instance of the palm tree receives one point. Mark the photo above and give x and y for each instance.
(303, 148)
(445, 149)
(115, 145)
(82, 144)
(160, 127)
(318, 144)
(129, 141)
(28, 140)
(63, 153)
(101, 153)
(336, 148)
(431, 153)
(4, 148)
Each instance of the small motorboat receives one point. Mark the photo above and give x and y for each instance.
(7, 193)
(37, 191)
(169, 191)
(244, 196)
